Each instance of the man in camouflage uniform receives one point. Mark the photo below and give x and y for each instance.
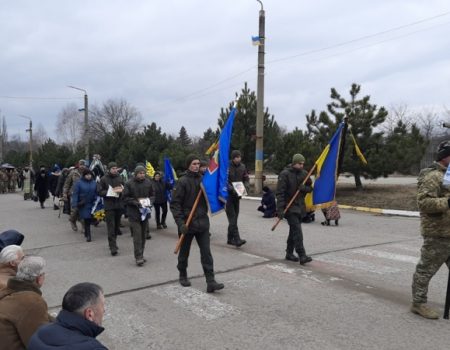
(289, 181)
(433, 199)
(73, 177)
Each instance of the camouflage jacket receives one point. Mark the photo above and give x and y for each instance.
(71, 180)
(432, 200)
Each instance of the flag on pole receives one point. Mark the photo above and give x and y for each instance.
(149, 170)
(256, 41)
(327, 170)
(215, 180)
(169, 177)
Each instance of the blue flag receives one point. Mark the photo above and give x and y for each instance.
(215, 180)
(327, 171)
(169, 177)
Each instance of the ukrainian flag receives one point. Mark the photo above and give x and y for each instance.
(327, 170)
(215, 180)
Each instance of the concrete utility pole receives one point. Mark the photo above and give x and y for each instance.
(86, 123)
(30, 130)
(259, 154)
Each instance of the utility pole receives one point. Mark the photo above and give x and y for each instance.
(259, 154)
(30, 130)
(86, 123)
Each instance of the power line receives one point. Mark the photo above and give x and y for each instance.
(39, 98)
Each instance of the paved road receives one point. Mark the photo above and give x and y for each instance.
(354, 295)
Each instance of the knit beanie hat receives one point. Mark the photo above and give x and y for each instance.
(112, 165)
(298, 158)
(443, 150)
(190, 158)
(139, 168)
(235, 153)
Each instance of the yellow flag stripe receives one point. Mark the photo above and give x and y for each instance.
(358, 150)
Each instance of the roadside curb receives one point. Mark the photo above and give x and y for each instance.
(366, 209)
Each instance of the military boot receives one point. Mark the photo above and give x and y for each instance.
(305, 259)
(184, 281)
(291, 257)
(212, 286)
(424, 311)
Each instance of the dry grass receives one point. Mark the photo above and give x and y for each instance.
(400, 197)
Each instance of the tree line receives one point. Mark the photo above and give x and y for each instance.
(391, 142)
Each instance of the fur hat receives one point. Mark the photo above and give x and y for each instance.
(138, 169)
(190, 158)
(235, 153)
(443, 150)
(297, 158)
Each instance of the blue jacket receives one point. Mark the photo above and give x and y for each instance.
(9, 237)
(83, 197)
(70, 331)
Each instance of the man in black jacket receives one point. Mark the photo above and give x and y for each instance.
(236, 173)
(110, 188)
(183, 198)
(289, 180)
(137, 195)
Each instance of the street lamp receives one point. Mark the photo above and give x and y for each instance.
(30, 130)
(259, 152)
(86, 122)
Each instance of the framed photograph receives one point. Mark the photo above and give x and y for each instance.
(239, 188)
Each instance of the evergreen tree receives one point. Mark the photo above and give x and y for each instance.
(183, 138)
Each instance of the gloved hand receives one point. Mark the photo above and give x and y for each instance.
(308, 182)
(184, 229)
(280, 214)
(304, 188)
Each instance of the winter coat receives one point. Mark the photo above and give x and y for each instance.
(289, 180)
(159, 188)
(83, 197)
(53, 182)
(133, 191)
(73, 177)
(22, 311)
(6, 272)
(103, 186)
(69, 331)
(268, 199)
(237, 173)
(183, 199)
(61, 180)
(9, 237)
(432, 200)
(41, 186)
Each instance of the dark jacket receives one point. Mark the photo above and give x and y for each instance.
(9, 237)
(159, 188)
(53, 182)
(237, 173)
(103, 186)
(289, 181)
(183, 199)
(41, 186)
(69, 332)
(83, 197)
(22, 311)
(61, 180)
(268, 199)
(135, 189)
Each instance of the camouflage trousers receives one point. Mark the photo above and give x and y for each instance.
(434, 253)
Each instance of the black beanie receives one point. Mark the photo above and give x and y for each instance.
(235, 153)
(443, 150)
(190, 158)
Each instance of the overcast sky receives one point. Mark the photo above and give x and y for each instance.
(179, 61)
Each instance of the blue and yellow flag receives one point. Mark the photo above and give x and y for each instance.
(215, 180)
(327, 171)
(170, 177)
(149, 170)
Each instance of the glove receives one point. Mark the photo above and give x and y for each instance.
(304, 188)
(184, 229)
(308, 182)
(280, 215)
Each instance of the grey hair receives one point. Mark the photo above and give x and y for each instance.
(10, 253)
(30, 268)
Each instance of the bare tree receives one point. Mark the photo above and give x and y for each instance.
(39, 135)
(70, 126)
(397, 113)
(115, 116)
(429, 124)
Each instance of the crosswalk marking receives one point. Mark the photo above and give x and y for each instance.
(357, 264)
(281, 268)
(201, 304)
(387, 255)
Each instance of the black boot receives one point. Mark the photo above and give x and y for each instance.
(212, 286)
(291, 257)
(184, 281)
(88, 238)
(305, 259)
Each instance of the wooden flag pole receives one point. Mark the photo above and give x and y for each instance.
(294, 196)
(447, 298)
(188, 221)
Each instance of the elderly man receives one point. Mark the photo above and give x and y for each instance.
(10, 257)
(22, 308)
(77, 324)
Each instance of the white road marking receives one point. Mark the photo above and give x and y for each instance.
(255, 256)
(281, 268)
(387, 255)
(357, 264)
(201, 304)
